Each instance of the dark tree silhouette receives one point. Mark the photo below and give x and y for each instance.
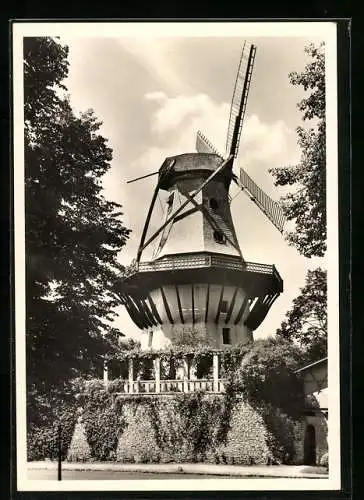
(73, 234)
(306, 321)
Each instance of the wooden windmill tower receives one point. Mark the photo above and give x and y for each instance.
(198, 279)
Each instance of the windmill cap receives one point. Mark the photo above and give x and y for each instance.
(190, 165)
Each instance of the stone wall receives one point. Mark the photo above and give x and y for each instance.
(255, 436)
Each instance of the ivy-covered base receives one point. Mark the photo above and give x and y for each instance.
(185, 428)
(241, 426)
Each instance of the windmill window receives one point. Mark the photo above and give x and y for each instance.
(170, 199)
(226, 339)
(224, 306)
(214, 204)
(219, 237)
(150, 339)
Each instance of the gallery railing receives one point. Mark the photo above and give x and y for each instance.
(170, 386)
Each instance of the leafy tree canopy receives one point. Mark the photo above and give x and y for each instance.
(306, 322)
(306, 205)
(73, 233)
(267, 375)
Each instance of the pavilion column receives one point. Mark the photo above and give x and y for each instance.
(106, 373)
(186, 373)
(131, 374)
(215, 363)
(157, 374)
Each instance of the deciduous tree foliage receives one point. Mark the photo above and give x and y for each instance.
(306, 205)
(306, 321)
(267, 376)
(73, 233)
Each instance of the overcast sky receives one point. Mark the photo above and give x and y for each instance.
(153, 94)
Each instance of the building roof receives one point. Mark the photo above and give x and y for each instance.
(316, 364)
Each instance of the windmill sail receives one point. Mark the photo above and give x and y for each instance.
(268, 206)
(203, 145)
(239, 100)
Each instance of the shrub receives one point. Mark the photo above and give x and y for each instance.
(267, 376)
(43, 440)
(280, 435)
(116, 385)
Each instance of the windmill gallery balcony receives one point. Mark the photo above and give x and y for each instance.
(187, 377)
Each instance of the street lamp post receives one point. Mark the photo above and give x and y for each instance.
(59, 451)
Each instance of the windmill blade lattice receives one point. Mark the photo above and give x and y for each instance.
(239, 100)
(203, 145)
(269, 207)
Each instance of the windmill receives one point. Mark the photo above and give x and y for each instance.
(198, 278)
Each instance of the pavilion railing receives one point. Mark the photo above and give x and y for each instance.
(171, 386)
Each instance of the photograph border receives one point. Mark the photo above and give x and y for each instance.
(344, 169)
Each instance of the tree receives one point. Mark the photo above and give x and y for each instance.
(306, 205)
(306, 321)
(73, 234)
(267, 376)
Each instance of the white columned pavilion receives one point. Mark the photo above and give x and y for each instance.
(188, 382)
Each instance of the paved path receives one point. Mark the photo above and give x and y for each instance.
(283, 471)
(78, 475)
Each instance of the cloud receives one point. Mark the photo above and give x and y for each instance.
(264, 141)
(181, 116)
(158, 96)
(184, 115)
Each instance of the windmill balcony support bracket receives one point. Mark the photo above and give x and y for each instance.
(261, 283)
